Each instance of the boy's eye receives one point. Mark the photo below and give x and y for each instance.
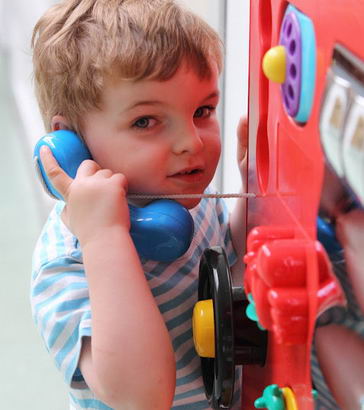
(144, 122)
(204, 112)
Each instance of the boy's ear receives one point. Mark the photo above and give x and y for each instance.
(59, 122)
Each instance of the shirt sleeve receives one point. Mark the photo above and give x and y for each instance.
(60, 298)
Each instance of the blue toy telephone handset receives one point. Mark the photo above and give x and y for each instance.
(161, 231)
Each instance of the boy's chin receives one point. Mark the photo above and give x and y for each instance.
(139, 203)
(189, 203)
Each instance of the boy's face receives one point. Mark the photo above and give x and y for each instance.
(163, 136)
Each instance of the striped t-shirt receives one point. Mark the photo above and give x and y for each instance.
(61, 305)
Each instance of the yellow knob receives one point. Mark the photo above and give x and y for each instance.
(289, 398)
(274, 64)
(204, 328)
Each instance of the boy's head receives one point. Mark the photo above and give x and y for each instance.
(79, 44)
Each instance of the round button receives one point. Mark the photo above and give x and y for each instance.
(274, 64)
(204, 328)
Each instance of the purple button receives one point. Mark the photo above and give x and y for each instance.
(290, 38)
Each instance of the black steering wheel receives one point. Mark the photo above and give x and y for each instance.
(238, 340)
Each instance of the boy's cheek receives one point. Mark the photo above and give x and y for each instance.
(212, 139)
(215, 146)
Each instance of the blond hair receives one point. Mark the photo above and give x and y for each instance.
(78, 43)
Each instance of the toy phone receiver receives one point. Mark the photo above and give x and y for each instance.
(161, 231)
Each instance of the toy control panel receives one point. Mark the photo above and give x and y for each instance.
(306, 165)
(306, 143)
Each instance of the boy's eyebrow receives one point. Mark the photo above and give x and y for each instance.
(214, 94)
(146, 102)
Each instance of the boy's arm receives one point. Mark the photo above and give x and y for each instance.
(129, 361)
(340, 352)
(238, 216)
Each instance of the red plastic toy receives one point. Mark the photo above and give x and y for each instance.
(301, 124)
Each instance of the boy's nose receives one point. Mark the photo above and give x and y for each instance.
(188, 140)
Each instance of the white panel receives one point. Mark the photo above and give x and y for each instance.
(236, 87)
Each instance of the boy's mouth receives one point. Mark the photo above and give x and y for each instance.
(189, 174)
(189, 171)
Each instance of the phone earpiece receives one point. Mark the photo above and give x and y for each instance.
(69, 151)
(161, 231)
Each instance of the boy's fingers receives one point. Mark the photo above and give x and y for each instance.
(59, 179)
(242, 138)
(243, 131)
(88, 168)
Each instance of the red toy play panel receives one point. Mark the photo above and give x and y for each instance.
(286, 165)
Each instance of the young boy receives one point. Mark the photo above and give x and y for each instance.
(138, 81)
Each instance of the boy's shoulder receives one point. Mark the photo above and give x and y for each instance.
(55, 241)
(218, 203)
(210, 212)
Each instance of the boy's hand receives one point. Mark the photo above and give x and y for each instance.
(242, 134)
(95, 199)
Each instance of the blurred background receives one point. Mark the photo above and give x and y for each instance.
(28, 378)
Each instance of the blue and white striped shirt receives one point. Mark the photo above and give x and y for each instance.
(61, 305)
